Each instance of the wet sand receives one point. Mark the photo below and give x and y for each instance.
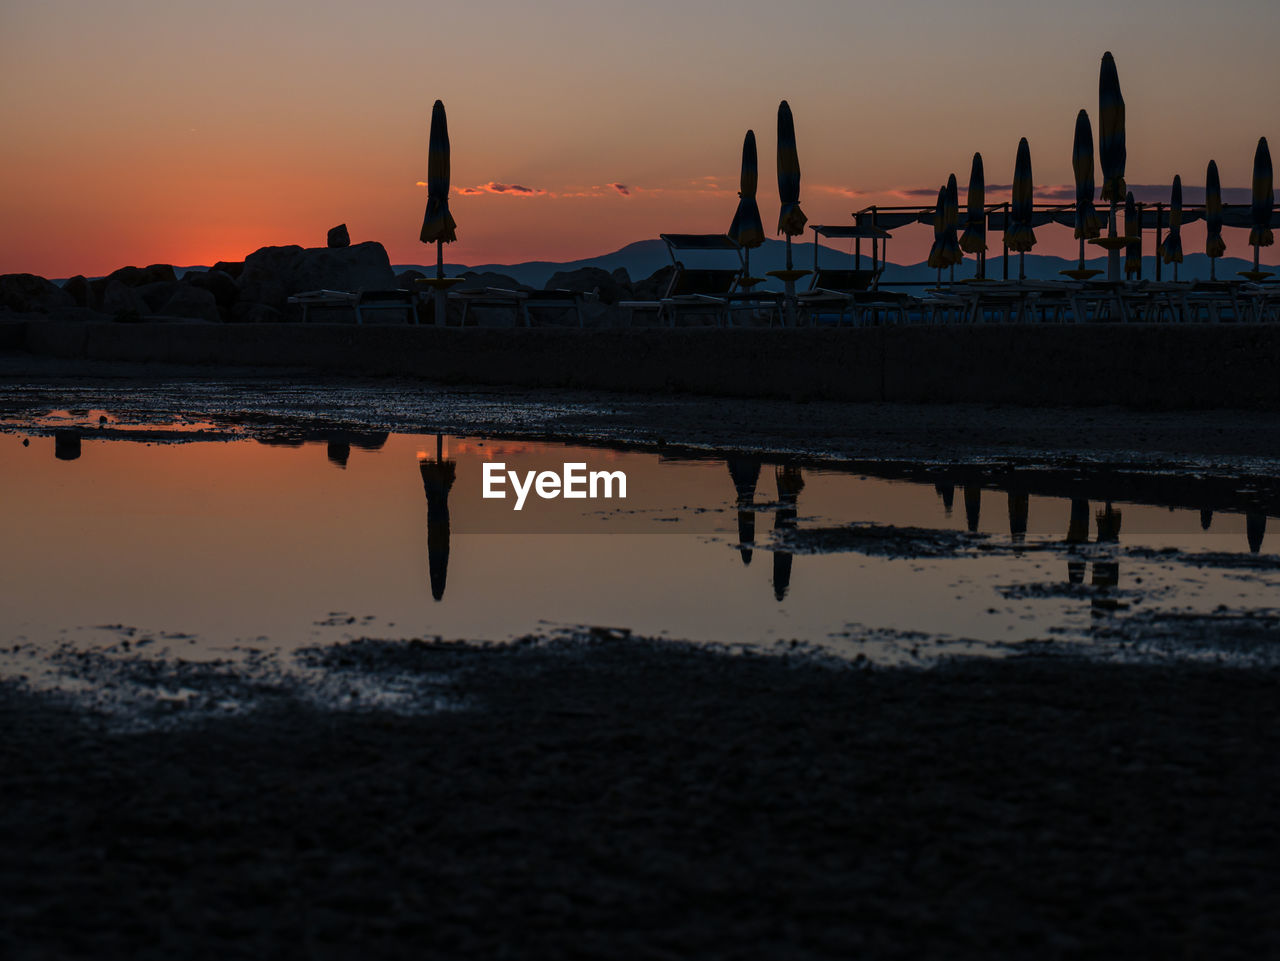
(617, 798)
(1235, 440)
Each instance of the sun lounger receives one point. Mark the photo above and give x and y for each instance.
(699, 290)
(359, 301)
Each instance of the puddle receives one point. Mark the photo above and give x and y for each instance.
(146, 540)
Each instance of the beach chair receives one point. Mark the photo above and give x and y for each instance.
(695, 290)
(358, 301)
(523, 303)
(834, 289)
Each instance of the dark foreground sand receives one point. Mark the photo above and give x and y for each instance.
(626, 799)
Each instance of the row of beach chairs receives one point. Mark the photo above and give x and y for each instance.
(725, 296)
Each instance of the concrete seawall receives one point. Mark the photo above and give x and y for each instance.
(1143, 366)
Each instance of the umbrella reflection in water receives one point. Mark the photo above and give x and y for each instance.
(437, 480)
(745, 473)
(948, 494)
(790, 483)
(1255, 526)
(972, 506)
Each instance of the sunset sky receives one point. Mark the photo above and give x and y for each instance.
(186, 132)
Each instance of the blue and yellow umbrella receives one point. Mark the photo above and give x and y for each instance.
(1111, 131)
(1087, 225)
(791, 218)
(974, 240)
(1264, 199)
(1214, 245)
(945, 251)
(747, 230)
(1018, 234)
(438, 225)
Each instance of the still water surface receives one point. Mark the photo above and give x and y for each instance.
(202, 547)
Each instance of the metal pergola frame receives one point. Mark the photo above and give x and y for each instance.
(1151, 216)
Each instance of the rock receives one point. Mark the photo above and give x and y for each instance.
(272, 274)
(123, 302)
(407, 279)
(621, 277)
(29, 293)
(654, 286)
(192, 302)
(338, 237)
(140, 276)
(234, 268)
(247, 313)
(225, 289)
(473, 280)
(157, 294)
(80, 290)
(588, 280)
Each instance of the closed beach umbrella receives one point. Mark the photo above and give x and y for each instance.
(1111, 131)
(937, 259)
(1132, 230)
(438, 226)
(1264, 199)
(1173, 242)
(953, 221)
(1214, 245)
(1087, 225)
(791, 218)
(1018, 234)
(974, 240)
(747, 229)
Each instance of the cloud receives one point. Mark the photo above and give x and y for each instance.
(621, 188)
(519, 190)
(841, 191)
(469, 191)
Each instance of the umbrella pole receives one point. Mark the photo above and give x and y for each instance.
(790, 289)
(1082, 253)
(1113, 256)
(442, 298)
(1213, 268)
(1256, 268)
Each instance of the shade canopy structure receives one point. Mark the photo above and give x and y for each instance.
(1111, 131)
(1087, 225)
(1264, 200)
(791, 218)
(1018, 235)
(1132, 231)
(747, 230)
(974, 240)
(438, 225)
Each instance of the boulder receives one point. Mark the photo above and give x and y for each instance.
(232, 267)
(123, 302)
(653, 286)
(29, 293)
(338, 237)
(247, 313)
(140, 276)
(272, 274)
(407, 279)
(157, 294)
(588, 280)
(192, 302)
(221, 284)
(473, 280)
(80, 290)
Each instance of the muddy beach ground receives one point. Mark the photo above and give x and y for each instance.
(619, 797)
